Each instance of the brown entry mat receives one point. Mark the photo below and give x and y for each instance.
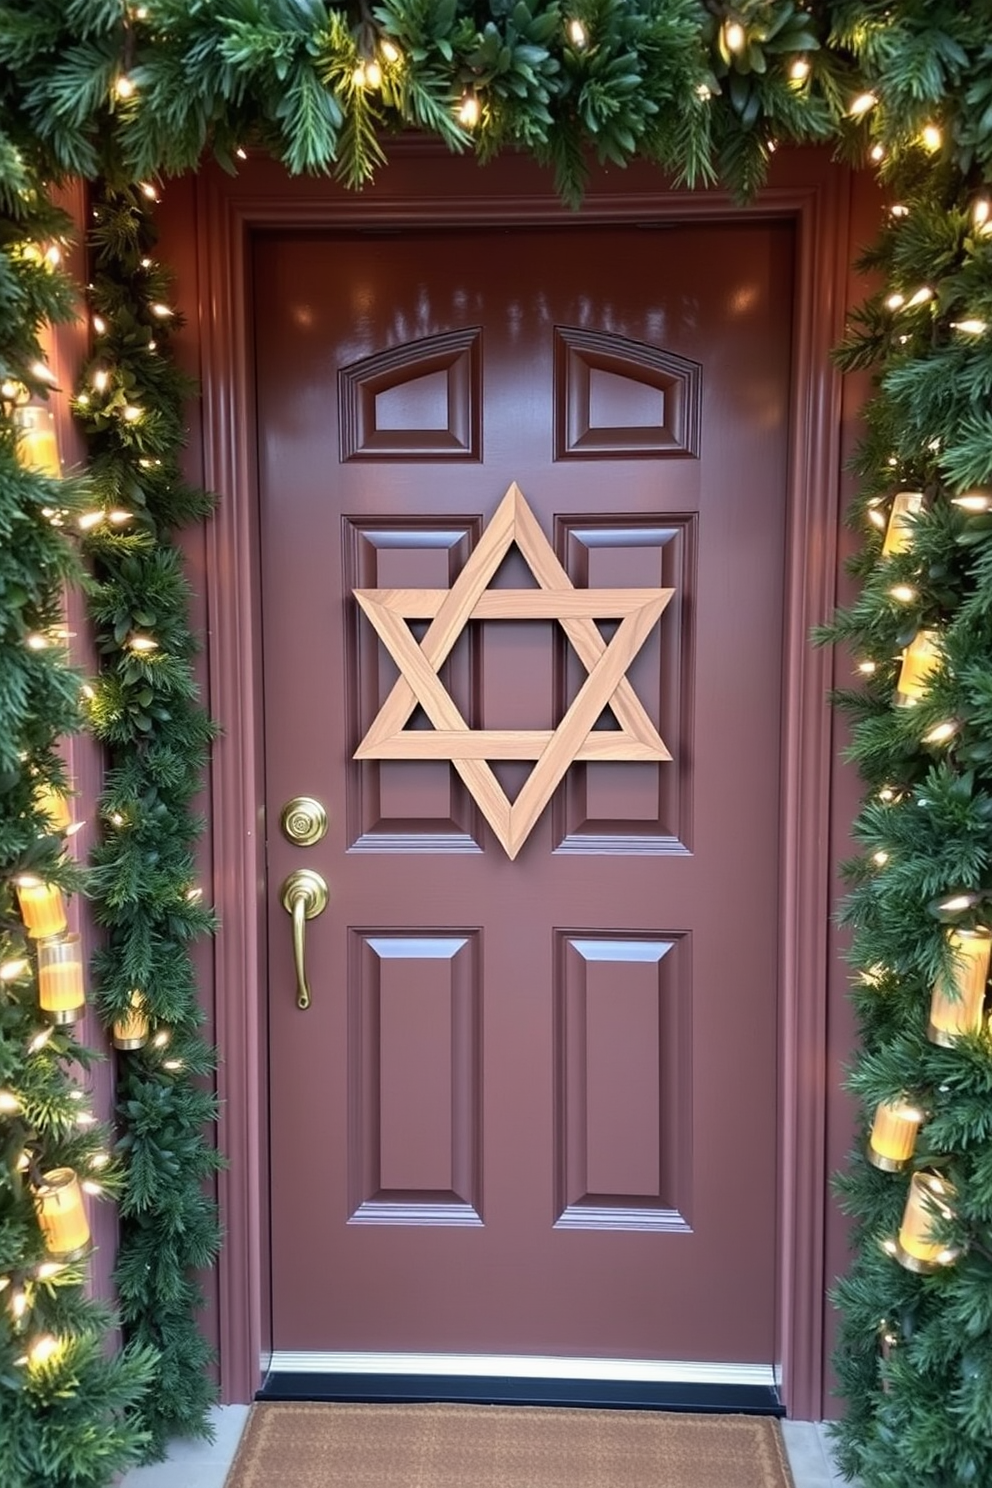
(499, 1446)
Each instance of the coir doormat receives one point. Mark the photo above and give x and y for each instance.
(497, 1446)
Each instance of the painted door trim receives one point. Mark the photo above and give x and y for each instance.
(814, 192)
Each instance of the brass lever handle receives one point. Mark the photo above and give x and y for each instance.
(304, 896)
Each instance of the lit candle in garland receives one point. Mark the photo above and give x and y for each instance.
(926, 1203)
(62, 1215)
(899, 534)
(37, 445)
(60, 979)
(957, 1000)
(131, 1028)
(920, 658)
(42, 907)
(53, 804)
(893, 1135)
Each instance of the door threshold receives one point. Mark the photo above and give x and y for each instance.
(616, 1384)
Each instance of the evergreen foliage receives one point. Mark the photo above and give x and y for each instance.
(131, 93)
(915, 1353)
(67, 1406)
(144, 710)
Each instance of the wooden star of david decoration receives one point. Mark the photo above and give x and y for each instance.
(470, 598)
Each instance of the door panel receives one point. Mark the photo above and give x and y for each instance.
(531, 1109)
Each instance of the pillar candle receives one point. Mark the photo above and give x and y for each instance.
(957, 1000)
(42, 907)
(893, 1135)
(131, 1029)
(37, 445)
(54, 805)
(899, 533)
(926, 1202)
(60, 978)
(919, 659)
(62, 1215)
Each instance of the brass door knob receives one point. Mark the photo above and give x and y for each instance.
(304, 896)
(303, 820)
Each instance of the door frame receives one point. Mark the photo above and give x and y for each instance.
(812, 191)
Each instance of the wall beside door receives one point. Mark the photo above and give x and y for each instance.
(234, 1318)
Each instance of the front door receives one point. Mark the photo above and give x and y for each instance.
(531, 1108)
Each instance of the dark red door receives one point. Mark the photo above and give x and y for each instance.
(531, 1108)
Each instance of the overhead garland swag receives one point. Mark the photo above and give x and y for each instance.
(127, 94)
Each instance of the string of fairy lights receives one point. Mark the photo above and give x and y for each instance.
(930, 1236)
(57, 1146)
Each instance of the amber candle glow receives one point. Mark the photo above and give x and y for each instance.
(62, 1215)
(956, 1003)
(899, 533)
(893, 1135)
(919, 659)
(131, 1030)
(55, 806)
(926, 1202)
(60, 978)
(42, 907)
(37, 446)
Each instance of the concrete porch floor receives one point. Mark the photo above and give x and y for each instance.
(205, 1464)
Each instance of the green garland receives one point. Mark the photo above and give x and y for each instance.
(131, 92)
(66, 1407)
(143, 710)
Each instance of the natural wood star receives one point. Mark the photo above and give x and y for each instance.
(470, 598)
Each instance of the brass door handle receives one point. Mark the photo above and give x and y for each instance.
(304, 896)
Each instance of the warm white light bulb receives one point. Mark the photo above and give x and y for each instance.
(895, 301)
(43, 1349)
(577, 34)
(799, 70)
(861, 105)
(877, 153)
(904, 593)
(469, 111)
(390, 52)
(971, 327)
(124, 88)
(932, 137)
(922, 295)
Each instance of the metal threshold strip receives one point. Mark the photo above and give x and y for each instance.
(632, 1384)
